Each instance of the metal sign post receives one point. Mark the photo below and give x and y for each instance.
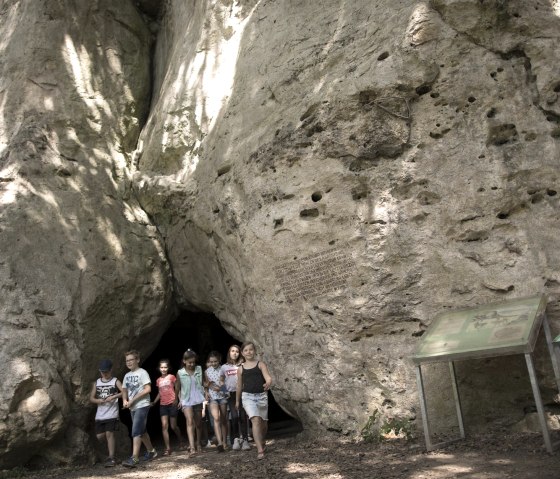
(497, 329)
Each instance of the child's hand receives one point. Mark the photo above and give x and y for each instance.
(266, 386)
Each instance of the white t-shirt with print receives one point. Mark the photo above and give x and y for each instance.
(134, 382)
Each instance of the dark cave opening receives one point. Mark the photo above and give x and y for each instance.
(201, 332)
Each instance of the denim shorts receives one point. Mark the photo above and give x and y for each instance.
(220, 401)
(168, 410)
(139, 418)
(255, 404)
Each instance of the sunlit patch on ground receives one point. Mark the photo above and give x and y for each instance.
(303, 468)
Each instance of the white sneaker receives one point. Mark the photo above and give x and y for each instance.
(245, 446)
(236, 444)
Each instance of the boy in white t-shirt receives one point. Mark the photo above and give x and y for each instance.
(136, 397)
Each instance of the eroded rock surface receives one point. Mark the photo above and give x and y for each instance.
(323, 176)
(419, 138)
(82, 270)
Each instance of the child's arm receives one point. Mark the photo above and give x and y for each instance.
(176, 400)
(146, 391)
(92, 397)
(239, 386)
(116, 395)
(266, 374)
(210, 384)
(155, 400)
(206, 384)
(178, 392)
(222, 384)
(125, 402)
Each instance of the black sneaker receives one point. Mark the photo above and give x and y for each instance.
(110, 462)
(220, 448)
(131, 462)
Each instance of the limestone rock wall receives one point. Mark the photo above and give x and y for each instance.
(414, 144)
(83, 273)
(323, 176)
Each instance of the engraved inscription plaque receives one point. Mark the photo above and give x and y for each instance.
(316, 274)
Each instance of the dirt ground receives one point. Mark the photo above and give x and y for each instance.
(495, 456)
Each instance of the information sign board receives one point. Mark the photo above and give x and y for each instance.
(497, 329)
(489, 330)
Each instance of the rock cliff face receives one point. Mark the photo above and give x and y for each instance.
(324, 177)
(82, 270)
(328, 177)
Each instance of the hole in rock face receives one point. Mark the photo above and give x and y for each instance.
(201, 332)
(383, 56)
(423, 89)
(317, 196)
(309, 213)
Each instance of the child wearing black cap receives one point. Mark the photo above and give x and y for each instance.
(106, 392)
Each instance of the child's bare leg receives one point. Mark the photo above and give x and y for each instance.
(147, 442)
(198, 427)
(165, 431)
(136, 445)
(188, 411)
(111, 443)
(215, 411)
(102, 437)
(175, 428)
(258, 436)
(224, 422)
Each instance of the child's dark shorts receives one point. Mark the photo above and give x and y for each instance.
(107, 425)
(168, 410)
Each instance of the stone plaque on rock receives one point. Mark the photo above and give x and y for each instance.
(316, 274)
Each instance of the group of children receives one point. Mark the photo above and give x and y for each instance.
(241, 384)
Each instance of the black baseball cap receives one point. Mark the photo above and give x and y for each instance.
(105, 365)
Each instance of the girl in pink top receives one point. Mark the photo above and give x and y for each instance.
(168, 409)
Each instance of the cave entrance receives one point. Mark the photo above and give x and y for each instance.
(202, 332)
